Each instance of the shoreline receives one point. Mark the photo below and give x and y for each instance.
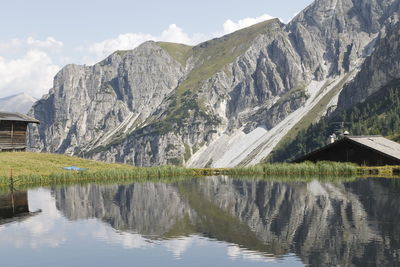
(32, 169)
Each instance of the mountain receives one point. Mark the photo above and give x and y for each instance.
(17, 103)
(225, 102)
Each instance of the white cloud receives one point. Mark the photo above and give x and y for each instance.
(49, 42)
(26, 65)
(230, 26)
(16, 45)
(32, 73)
(177, 35)
(10, 46)
(122, 42)
(173, 33)
(129, 41)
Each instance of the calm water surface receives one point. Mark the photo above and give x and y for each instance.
(214, 221)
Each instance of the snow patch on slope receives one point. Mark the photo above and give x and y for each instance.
(250, 149)
(268, 142)
(235, 150)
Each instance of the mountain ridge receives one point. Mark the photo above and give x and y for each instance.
(17, 103)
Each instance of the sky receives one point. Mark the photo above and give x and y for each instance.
(38, 38)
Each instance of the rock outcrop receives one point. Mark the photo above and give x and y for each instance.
(380, 69)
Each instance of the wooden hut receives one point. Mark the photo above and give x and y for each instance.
(13, 130)
(362, 150)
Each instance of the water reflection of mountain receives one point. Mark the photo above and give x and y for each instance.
(149, 209)
(348, 224)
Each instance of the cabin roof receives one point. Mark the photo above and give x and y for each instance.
(376, 142)
(379, 143)
(10, 116)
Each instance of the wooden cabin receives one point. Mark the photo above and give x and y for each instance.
(13, 130)
(362, 150)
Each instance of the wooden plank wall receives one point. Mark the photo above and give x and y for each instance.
(12, 135)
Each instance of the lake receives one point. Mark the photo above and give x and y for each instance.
(214, 221)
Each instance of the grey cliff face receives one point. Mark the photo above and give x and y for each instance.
(380, 69)
(266, 72)
(338, 32)
(86, 103)
(165, 103)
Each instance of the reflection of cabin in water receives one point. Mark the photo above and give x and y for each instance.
(363, 150)
(13, 205)
(13, 129)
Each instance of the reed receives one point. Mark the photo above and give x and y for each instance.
(112, 175)
(33, 169)
(324, 168)
(295, 178)
(53, 183)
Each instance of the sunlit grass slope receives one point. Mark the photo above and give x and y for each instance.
(47, 169)
(26, 163)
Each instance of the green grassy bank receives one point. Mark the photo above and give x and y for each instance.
(47, 169)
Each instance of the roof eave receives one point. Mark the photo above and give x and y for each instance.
(349, 138)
